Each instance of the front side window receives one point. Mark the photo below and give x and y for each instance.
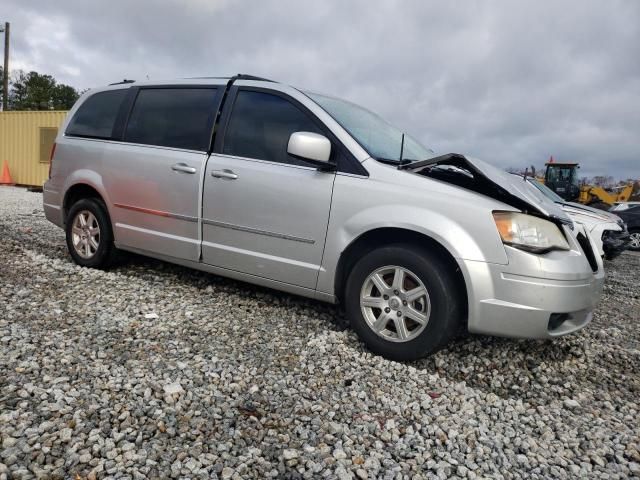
(380, 139)
(172, 117)
(260, 127)
(96, 116)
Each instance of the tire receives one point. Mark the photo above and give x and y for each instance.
(635, 239)
(442, 306)
(83, 251)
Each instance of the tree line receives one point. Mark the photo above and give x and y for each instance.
(36, 91)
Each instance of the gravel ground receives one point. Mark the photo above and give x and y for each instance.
(153, 370)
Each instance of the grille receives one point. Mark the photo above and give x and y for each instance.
(588, 251)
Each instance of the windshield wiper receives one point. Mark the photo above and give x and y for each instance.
(393, 161)
(429, 161)
(406, 162)
(389, 161)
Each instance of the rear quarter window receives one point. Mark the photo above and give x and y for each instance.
(96, 116)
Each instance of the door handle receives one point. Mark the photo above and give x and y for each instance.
(228, 174)
(183, 167)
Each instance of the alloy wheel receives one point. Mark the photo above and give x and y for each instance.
(85, 234)
(395, 303)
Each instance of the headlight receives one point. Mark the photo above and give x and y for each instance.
(529, 233)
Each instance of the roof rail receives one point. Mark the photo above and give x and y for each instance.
(242, 76)
(122, 82)
(206, 77)
(239, 76)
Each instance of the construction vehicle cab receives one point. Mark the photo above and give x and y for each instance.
(562, 178)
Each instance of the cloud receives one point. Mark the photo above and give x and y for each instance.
(510, 82)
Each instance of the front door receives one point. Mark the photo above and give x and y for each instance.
(265, 213)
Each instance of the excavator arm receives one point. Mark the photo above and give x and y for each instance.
(590, 194)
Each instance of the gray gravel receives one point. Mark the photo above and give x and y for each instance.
(153, 370)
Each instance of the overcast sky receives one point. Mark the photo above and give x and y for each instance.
(510, 82)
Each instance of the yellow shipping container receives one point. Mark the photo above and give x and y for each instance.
(26, 138)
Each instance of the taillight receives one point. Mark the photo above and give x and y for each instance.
(53, 151)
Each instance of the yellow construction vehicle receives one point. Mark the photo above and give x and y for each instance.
(590, 194)
(562, 178)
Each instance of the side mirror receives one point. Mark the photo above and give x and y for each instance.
(310, 147)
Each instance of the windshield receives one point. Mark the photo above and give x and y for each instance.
(546, 191)
(380, 139)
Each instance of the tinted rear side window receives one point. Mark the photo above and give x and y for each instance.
(172, 117)
(97, 115)
(260, 127)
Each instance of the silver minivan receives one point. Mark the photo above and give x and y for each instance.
(251, 179)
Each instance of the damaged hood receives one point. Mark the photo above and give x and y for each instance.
(479, 176)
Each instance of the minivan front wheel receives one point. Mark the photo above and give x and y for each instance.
(88, 233)
(395, 303)
(634, 240)
(403, 302)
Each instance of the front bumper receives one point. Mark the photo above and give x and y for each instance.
(614, 243)
(533, 296)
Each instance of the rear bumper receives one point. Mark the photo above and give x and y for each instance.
(52, 205)
(533, 296)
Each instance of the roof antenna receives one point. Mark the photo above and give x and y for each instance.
(402, 148)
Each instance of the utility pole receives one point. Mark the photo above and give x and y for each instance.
(5, 71)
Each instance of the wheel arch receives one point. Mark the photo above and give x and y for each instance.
(76, 192)
(380, 237)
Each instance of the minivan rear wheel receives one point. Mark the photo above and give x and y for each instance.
(89, 235)
(403, 302)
